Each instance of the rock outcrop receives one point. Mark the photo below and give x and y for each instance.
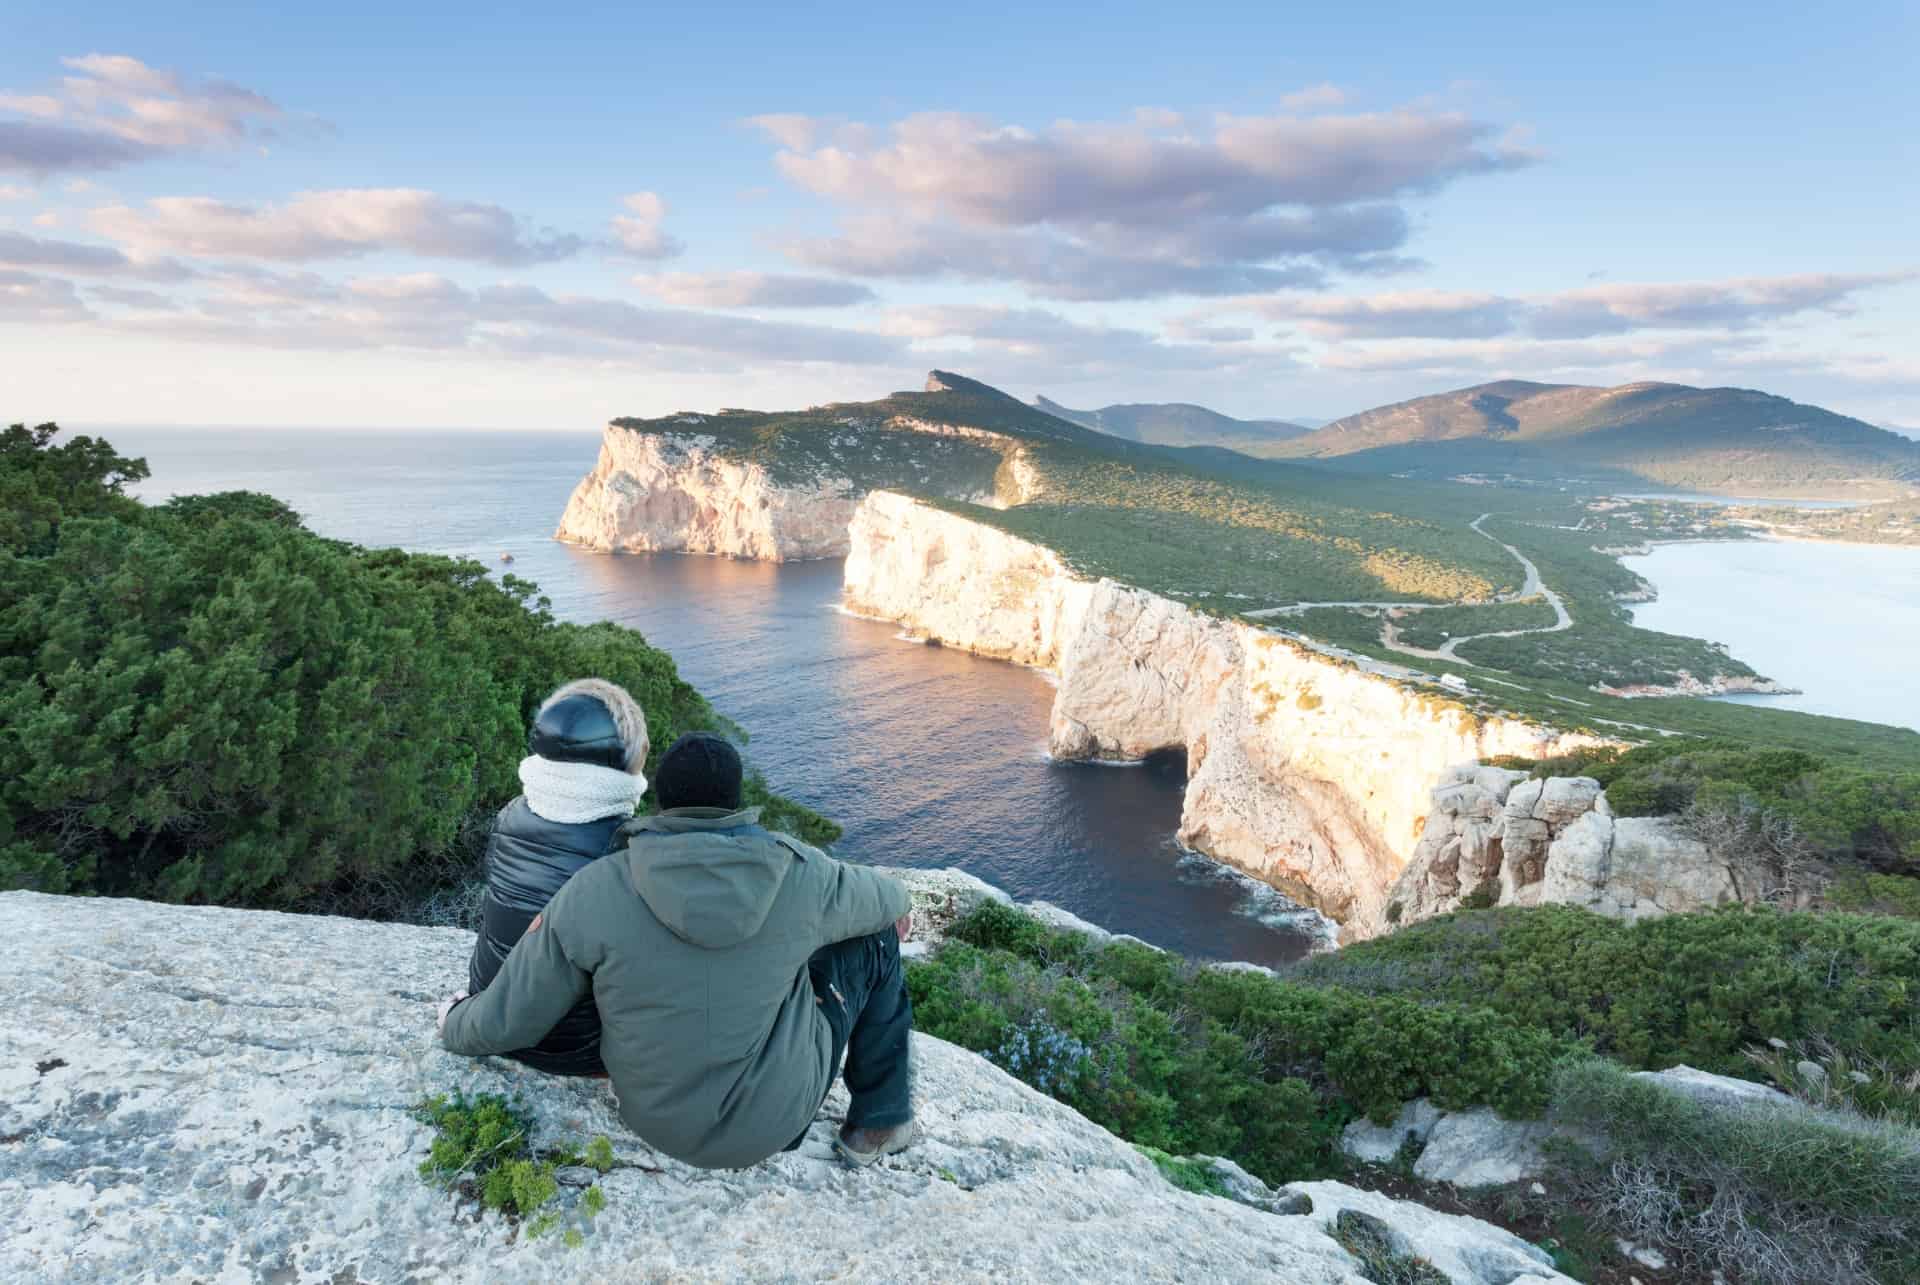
(1496, 837)
(190, 1093)
(677, 493)
(1305, 771)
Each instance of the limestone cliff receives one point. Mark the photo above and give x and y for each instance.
(1303, 770)
(190, 1093)
(675, 493)
(1522, 842)
(778, 486)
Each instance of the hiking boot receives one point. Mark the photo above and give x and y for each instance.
(861, 1147)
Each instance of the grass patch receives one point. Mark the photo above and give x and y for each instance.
(1185, 1172)
(1766, 1195)
(1383, 1257)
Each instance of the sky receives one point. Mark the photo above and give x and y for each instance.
(423, 215)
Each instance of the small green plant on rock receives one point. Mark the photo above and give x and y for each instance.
(482, 1148)
(1185, 1172)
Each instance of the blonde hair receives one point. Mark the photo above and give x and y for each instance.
(627, 716)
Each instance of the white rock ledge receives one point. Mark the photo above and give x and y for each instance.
(190, 1093)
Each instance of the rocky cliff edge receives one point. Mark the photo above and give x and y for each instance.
(190, 1093)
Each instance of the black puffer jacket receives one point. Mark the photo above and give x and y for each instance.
(529, 859)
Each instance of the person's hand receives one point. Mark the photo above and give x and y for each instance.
(903, 927)
(446, 1006)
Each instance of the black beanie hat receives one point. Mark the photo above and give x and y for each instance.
(700, 770)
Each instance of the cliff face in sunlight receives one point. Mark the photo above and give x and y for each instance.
(675, 493)
(1304, 771)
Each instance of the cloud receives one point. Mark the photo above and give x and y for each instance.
(424, 311)
(1025, 345)
(639, 232)
(1145, 207)
(1314, 98)
(21, 251)
(118, 110)
(25, 296)
(14, 192)
(753, 290)
(149, 300)
(1590, 311)
(335, 224)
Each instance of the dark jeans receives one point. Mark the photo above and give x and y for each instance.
(863, 991)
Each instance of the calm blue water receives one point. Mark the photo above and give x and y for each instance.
(929, 757)
(1838, 621)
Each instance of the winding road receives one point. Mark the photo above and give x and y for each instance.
(1389, 636)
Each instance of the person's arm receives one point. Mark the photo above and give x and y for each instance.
(859, 900)
(532, 991)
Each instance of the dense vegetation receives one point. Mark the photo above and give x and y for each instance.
(1180, 424)
(1522, 1009)
(1222, 1062)
(204, 701)
(1699, 989)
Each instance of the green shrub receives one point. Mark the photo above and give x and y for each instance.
(1764, 1195)
(206, 702)
(1215, 1062)
(1697, 988)
(483, 1147)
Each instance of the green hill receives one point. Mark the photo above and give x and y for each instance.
(1728, 440)
(1180, 424)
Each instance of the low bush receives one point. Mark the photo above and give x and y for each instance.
(1220, 1062)
(1763, 1195)
(1700, 988)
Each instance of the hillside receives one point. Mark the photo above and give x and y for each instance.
(1725, 440)
(1180, 424)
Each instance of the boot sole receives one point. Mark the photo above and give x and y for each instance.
(862, 1159)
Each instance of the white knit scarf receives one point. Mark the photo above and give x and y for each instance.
(571, 793)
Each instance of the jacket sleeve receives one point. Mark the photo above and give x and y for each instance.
(532, 991)
(858, 900)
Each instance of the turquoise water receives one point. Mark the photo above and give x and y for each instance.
(928, 756)
(1839, 621)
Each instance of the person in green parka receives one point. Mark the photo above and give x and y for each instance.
(736, 972)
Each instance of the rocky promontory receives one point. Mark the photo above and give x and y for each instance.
(192, 1093)
(1304, 770)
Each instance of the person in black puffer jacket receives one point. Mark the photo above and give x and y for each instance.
(582, 781)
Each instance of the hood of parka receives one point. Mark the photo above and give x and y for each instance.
(708, 874)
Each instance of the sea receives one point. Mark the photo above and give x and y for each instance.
(927, 756)
(1838, 621)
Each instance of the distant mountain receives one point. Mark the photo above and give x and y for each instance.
(1180, 424)
(1730, 440)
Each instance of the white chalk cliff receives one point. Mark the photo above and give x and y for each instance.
(1305, 771)
(191, 1093)
(677, 493)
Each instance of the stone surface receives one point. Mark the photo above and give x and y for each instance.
(1478, 1149)
(1466, 1249)
(1552, 841)
(1306, 772)
(190, 1093)
(1379, 1143)
(1717, 1090)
